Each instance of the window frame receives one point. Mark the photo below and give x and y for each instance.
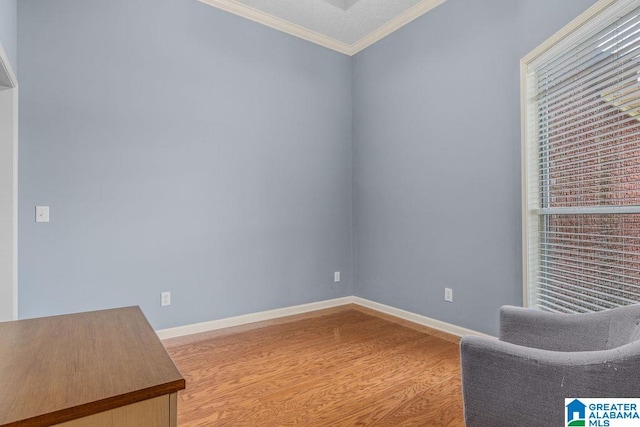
(602, 11)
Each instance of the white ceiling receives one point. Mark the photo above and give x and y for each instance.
(342, 4)
(347, 26)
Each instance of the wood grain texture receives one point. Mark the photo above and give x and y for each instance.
(61, 368)
(148, 413)
(344, 366)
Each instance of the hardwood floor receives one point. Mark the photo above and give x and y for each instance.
(346, 366)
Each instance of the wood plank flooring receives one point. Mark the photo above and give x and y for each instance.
(346, 366)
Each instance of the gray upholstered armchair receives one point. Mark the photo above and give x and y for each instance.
(541, 358)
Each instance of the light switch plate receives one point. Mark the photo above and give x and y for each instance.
(165, 299)
(42, 213)
(448, 294)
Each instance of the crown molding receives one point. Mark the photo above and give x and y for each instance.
(279, 24)
(304, 33)
(395, 24)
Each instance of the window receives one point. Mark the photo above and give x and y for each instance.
(581, 163)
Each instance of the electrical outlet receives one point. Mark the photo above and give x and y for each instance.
(448, 294)
(165, 299)
(336, 277)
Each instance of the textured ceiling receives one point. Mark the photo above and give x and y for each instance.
(342, 4)
(343, 25)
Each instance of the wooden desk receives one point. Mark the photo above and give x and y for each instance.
(102, 368)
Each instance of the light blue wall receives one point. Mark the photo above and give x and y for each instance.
(437, 158)
(180, 148)
(8, 31)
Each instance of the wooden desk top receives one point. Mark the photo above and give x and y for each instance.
(61, 368)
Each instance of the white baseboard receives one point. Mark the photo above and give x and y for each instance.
(251, 318)
(417, 318)
(314, 306)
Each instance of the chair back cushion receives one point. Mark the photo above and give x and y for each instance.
(624, 326)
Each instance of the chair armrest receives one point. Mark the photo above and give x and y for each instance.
(552, 331)
(508, 384)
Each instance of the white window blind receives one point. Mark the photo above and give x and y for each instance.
(582, 149)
